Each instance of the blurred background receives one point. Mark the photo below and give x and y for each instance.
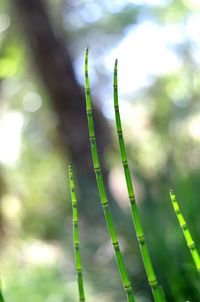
(43, 129)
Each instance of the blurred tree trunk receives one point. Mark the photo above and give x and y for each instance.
(54, 64)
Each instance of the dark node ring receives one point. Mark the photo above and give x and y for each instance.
(184, 226)
(153, 283)
(76, 245)
(141, 239)
(177, 211)
(191, 245)
(125, 164)
(92, 137)
(79, 270)
(132, 199)
(97, 169)
(116, 246)
(128, 288)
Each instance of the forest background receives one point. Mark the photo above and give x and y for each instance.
(43, 129)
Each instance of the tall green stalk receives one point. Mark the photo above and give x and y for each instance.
(158, 297)
(186, 232)
(76, 237)
(101, 189)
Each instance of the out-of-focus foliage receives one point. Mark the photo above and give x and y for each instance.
(161, 122)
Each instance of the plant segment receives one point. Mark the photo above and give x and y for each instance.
(101, 188)
(186, 232)
(76, 237)
(158, 297)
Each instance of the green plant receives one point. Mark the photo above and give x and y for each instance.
(186, 232)
(101, 188)
(134, 210)
(76, 237)
(157, 291)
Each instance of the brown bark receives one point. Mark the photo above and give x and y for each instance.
(54, 64)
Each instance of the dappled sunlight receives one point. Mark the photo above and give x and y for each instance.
(137, 66)
(192, 4)
(194, 127)
(41, 253)
(32, 102)
(10, 137)
(12, 210)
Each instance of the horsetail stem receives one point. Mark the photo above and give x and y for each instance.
(186, 232)
(76, 237)
(134, 210)
(101, 189)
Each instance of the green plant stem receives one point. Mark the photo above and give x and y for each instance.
(76, 237)
(186, 232)
(134, 210)
(101, 189)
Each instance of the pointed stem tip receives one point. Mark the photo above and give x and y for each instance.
(116, 62)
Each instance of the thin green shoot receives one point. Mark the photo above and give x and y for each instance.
(186, 232)
(158, 297)
(101, 189)
(76, 237)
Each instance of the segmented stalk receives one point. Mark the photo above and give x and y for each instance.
(101, 189)
(76, 237)
(186, 232)
(134, 210)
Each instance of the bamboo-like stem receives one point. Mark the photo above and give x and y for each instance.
(134, 210)
(76, 237)
(186, 232)
(101, 189)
